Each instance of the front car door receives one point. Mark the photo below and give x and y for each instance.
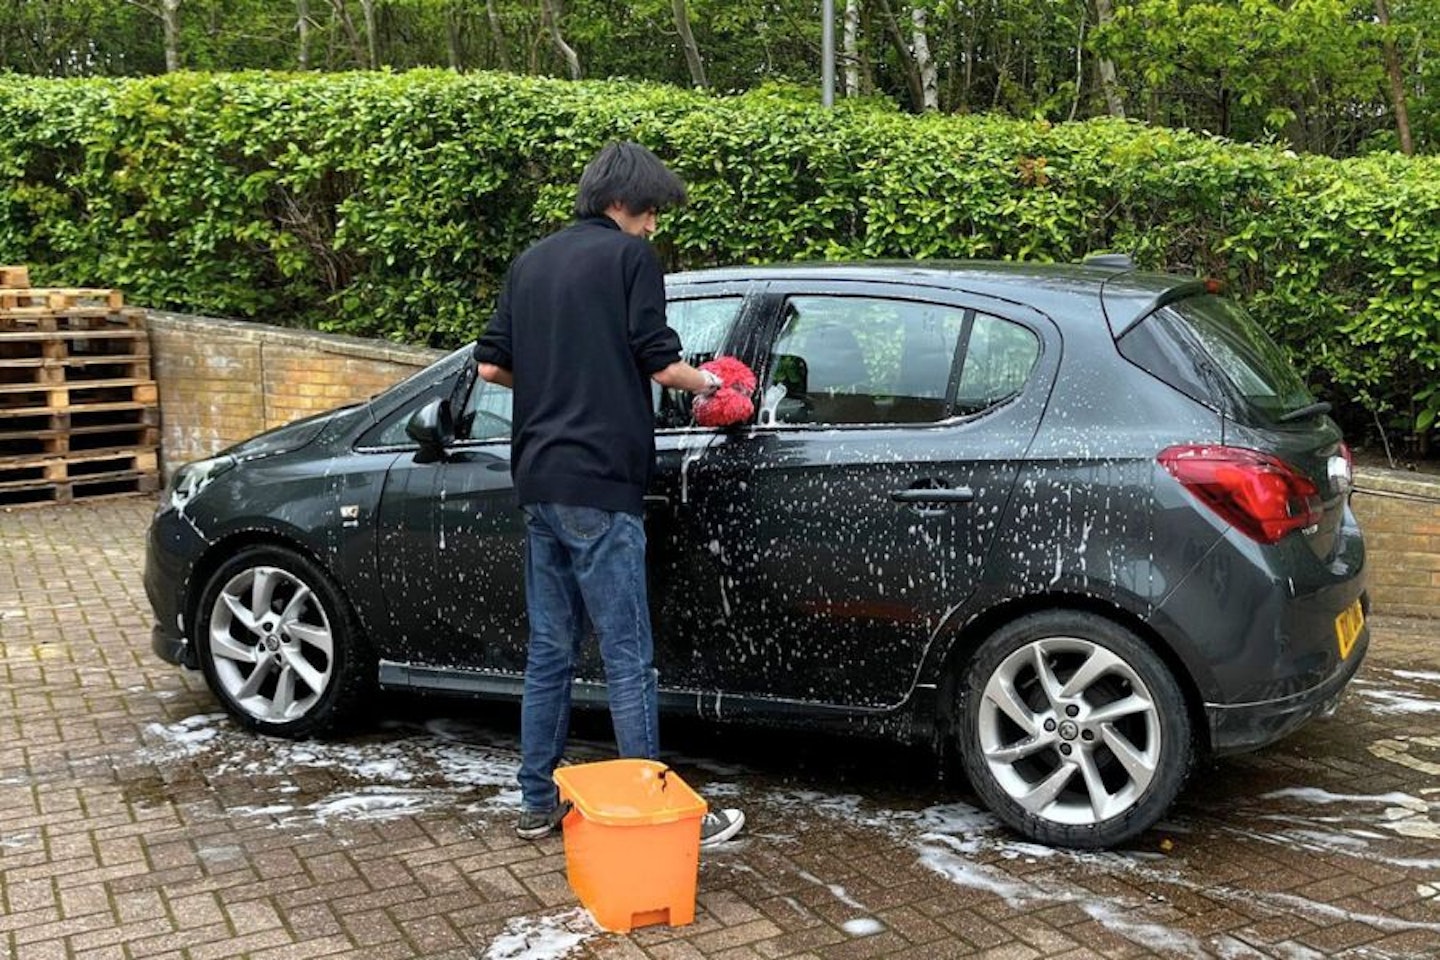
(452, 536)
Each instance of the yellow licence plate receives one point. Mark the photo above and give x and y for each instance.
(1347, 628)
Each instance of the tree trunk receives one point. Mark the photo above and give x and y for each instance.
(1079, 70)
(1104, 14)
(552, 23)
(924, 62)
(372, 48)
(452, 36)
(851, 53)
(170, 17)
(687, 40)
(1397, 81)
(502, 46)
(907, 61)
(302, 27)
(340, 16)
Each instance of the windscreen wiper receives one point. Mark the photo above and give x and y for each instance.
(1305, 412)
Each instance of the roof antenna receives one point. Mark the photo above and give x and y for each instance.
(1110, 261)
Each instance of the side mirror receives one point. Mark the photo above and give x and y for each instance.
(793, 373)
(785, 401)
(433, 428)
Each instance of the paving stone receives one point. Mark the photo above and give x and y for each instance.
(119, 840)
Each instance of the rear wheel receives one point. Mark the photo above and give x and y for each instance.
(1073, 730)
(279, 646)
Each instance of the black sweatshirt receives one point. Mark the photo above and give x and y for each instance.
(581, 325)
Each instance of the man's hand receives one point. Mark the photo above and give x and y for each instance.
(681, 376)
(491, 373)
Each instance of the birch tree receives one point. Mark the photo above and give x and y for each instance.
(924, 62)
(687, 40)
(851, 48)
(550, 13)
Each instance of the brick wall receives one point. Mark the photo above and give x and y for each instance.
(224, 380)
(1400, 513)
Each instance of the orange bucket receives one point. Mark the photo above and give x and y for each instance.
(632, 842)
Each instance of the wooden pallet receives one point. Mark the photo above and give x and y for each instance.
(75, 465)
(45, 478)
(79, 413)
(61, 432)
(34, 301)
(99, 487)
(77, 316)
(54, 397)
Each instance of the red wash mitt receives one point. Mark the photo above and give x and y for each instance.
(732, 403)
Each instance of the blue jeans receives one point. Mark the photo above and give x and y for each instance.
(582, 561)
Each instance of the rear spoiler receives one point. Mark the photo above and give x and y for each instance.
(1181, 291)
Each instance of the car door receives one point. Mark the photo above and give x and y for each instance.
(450, 538)
(455, 560)
(831, 540)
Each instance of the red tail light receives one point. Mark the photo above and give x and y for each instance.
(1261, 496)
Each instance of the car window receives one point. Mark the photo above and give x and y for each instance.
(998, 359)
(703, 324)
(486, 413)
(1244, 354)
(390, 431)
(864, 360)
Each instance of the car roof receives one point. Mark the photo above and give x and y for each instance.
(1063, 291)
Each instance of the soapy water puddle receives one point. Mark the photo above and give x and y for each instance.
(792, 786)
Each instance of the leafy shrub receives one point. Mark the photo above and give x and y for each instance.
(390, 205)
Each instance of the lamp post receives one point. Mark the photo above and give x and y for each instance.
(827, 53)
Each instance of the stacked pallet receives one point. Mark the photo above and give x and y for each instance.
(79, 413)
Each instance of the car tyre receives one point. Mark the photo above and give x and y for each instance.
(279, 645)
(1072, 730)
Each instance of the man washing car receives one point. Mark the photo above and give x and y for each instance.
(578, 333)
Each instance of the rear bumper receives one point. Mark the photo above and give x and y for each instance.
(1241, 727)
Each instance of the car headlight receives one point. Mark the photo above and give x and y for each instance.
(190, 479)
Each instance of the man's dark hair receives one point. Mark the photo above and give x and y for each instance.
(628, 174)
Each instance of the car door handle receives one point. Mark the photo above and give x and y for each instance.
(944, 495)
(656, 500)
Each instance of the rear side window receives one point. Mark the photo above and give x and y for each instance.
(1210, 349)
(998, 359)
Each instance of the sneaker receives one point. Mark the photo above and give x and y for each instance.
(533, 824)
(719, 826)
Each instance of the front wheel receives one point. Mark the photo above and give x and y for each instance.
(1073, 731)
(279, 646)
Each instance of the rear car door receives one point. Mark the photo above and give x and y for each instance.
(829, 542)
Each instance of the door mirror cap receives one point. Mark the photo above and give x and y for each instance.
(433, 428)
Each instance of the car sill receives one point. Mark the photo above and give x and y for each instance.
(708, 704)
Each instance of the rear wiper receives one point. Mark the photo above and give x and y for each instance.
(1305, 412)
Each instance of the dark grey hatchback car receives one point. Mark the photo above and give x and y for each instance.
(1081, 524)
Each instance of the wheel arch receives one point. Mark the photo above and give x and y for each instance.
(966, 639)
(216, 554)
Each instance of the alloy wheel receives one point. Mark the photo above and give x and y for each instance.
(1069, 730)
(271, 644)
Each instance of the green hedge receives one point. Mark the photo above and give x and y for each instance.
(389, 205)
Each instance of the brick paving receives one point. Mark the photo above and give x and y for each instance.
(136, 822)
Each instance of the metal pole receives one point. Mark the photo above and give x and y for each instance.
(827, 53)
